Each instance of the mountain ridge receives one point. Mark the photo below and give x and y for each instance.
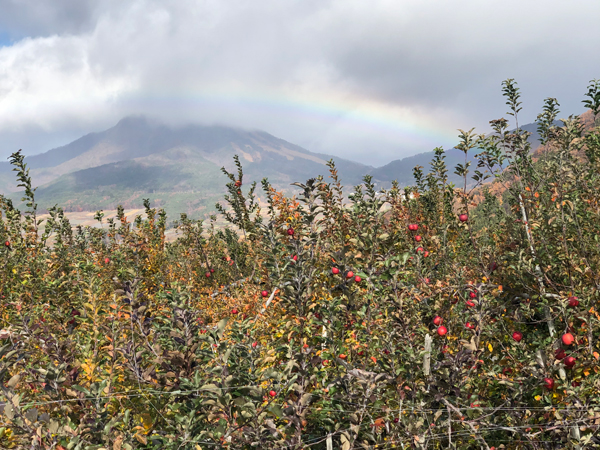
(180, 167)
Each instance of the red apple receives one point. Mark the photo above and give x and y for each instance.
(569, 361)
(335, 270)
(549, 383)
(350, 274)
(568, 339)
(238, 183)
(413, 227)
(560, 354)
(357, 279)
(437, 320)
(463, 217)
(254, 344)
(234, 311)
(426, 254)
(573, 302)
(472, 294)
(418, 238)
(272, 393)
(420, 249)
(265, 293)
(470, 304)
(7, 244)
(212, 270)
(517, 336)
(207, 274)
(442, 330)
(290, 231)
(106, 260)
(470, 326)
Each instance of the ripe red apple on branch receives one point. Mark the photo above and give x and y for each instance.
(264, 293)
(442, 330)
(569, 361)
(413, 227)
(335, 270)
(517, 336)
(573, 302)
(418, 238)
(437, 320)
(463, 217)
(549, 383)
(350, 274)
(568, 339)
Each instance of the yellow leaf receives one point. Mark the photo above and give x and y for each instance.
(490, 348)
(147, 421)
(586, 372)
(596, 355)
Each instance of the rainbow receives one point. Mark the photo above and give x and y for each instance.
(360, 114)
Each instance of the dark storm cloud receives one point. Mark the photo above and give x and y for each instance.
(343, 77)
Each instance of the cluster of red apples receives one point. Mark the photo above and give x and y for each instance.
(567, 339)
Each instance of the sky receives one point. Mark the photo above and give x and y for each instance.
(372, 81)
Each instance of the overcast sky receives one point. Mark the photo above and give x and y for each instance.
(369, 80)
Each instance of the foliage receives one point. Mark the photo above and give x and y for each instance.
(310, 325)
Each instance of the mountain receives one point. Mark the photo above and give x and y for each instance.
(402, 169)
(177, 168)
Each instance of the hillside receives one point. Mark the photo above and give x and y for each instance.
(402, 169)
(177, 168)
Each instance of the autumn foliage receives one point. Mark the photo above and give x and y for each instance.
(316, 321)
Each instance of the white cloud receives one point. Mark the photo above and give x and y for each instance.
(372, 81)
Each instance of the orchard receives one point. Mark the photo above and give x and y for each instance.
(322, 320)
